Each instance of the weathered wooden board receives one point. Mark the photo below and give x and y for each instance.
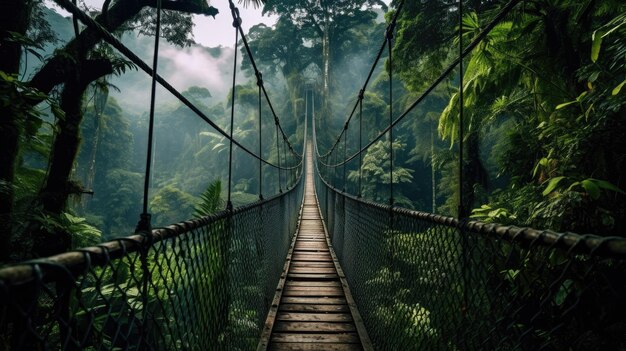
(313, 308)
(314, 327)
(313, 292)
(314, 347)
(315, 300)
(314, 317)
(351, 338)
(291, 283)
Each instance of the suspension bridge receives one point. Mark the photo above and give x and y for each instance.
(314, 267)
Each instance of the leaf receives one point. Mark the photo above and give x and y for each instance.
(552, 184)
(591, 188)
(618, 88)
(564, 290)
(603, 184)
(565, 104)
(596, 43)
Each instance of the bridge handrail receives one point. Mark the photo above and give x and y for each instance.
(76, 261)
(604, 246)
(609, 246)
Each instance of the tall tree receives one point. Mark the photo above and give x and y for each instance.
(74, 67)
(325, 24)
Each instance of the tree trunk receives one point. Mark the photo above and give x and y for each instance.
(58, 186)
(14, 17)
(55, 71)
(473, 173)
(326, 68)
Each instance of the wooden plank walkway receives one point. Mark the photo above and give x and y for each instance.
(313, 308)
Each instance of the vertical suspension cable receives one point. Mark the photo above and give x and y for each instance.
(285, 163)
(462, 209)
(360, 139)
(144, 224)
(462, 215)
(389, 47)
(280, 188)
(259, 83)
(236, 24)
(345, 155)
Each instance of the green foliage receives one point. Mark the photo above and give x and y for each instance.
(210, 200)
(488, 214)
(171, 205)
(376, 176)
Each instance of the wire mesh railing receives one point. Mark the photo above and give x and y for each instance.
(203, 284)
(429, 282)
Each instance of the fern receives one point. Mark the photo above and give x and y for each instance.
(210, 200)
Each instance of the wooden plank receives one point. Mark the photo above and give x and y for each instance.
(293, 283)
(315, 300)
(314, 327)
(315, 244)
(314, 317)
(313, 292)
(315, 288)
(311, 249)
(348, 338)
(287, 346)
(311, 257)
(310, 254)
(312, 264)
(287, 307)
(313, 270)
(317, 258)
(312, 276)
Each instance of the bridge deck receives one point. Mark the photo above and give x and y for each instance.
(313, 308)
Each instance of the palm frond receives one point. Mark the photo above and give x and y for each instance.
(210, 200)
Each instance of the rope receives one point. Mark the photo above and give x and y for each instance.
(259, 82)
(236, 24)
(129, 54)
(280, 190)
(360, 139)
(390, 49)
(144, 221)
(462, 210)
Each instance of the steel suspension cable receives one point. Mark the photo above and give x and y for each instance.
(236, 24)
(389, 59)
(360, 139)
(144, 224)
(280, 189)
(479, 37)
(462, 215)
(259, 83)
(461, 209)
(129, 54)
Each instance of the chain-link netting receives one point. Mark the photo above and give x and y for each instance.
(204, 284)
(427, 282)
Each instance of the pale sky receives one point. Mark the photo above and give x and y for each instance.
(208, 31)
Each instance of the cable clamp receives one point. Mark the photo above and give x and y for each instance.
(390, 29)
